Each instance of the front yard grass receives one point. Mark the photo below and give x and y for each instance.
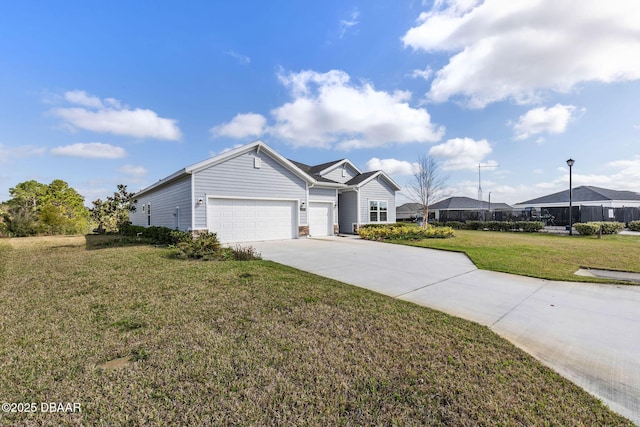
(541, 255)
(249, 343)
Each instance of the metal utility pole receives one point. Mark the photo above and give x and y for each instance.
(480, 165)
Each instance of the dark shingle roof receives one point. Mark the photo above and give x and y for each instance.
(323, 166)
(585, 194)
(460, 203)
(359, 178)
(408, 211)
(312, 170)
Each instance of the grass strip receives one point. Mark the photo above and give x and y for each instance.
(546, 256)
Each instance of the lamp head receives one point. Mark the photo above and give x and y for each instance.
(570, 162)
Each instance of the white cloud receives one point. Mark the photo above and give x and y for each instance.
(109, 116)
(90, 150)
(20, 152)
(213, 153)
(544, 120)
(462, 153)
(241, 126)
(505, 49)
(327, 110)
(80, 97)
(135, 171)
(424, 74)
(346, 24)
(242, 59)
(391, 166)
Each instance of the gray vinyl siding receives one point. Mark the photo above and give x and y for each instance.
(347, 208)
(336, 174)
(237, 177)
(377, 189)
(323, 194)
(164, 201)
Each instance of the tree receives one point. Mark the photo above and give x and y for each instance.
(28, 195)
(39, 208)
(113, 213)
(428, 184)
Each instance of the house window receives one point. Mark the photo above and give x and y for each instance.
(378, 210)
(148, 213)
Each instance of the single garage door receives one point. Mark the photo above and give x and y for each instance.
(240, 220)
(320, 219)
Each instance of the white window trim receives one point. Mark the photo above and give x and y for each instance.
(378, 211)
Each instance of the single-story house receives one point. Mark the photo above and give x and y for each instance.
(466, 208)
(253, 193)
(409, 212)
(589, 204)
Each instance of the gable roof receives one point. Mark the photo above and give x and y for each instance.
(309, 170)
(584, 194)
(329, 166)
(409, 207)
(363, 178)
(357, 181)
(222, 157)
(466, 203)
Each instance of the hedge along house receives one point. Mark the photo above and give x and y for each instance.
(589, 204)
(253, 193)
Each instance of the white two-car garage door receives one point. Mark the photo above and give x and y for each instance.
(246, 220)
(320, 219)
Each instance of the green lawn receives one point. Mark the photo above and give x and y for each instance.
(554, 257)
(249, 343)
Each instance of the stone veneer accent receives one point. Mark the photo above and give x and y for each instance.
(303, 231)
(336, 229)
(198, 232)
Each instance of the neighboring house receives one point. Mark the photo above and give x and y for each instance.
(466, 208)
(252, 193)
(409, 212)
(589, 204)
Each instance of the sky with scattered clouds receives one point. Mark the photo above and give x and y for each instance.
(103, 93)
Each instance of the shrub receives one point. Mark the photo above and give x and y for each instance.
(587, 228)
(244, 253)
(159, 235)
(530, 226)
(634, 226)
(456, 225)
(605, 227)
(401, 231)
(525, 226)
(206, 246)
(611, 227)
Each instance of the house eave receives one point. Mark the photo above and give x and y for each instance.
(376, 175)
(164, 181)
(337, 165)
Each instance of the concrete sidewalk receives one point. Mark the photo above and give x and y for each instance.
(590, 333)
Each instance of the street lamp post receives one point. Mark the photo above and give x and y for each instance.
(490, 216)
(570, 163)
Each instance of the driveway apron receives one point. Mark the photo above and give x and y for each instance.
(589, 333)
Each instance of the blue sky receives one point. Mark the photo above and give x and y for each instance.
(102, 93)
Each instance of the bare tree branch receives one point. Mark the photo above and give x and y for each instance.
(428, 184)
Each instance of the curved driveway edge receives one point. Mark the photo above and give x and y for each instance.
(589, 333)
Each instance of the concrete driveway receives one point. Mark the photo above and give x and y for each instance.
(589, 333)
